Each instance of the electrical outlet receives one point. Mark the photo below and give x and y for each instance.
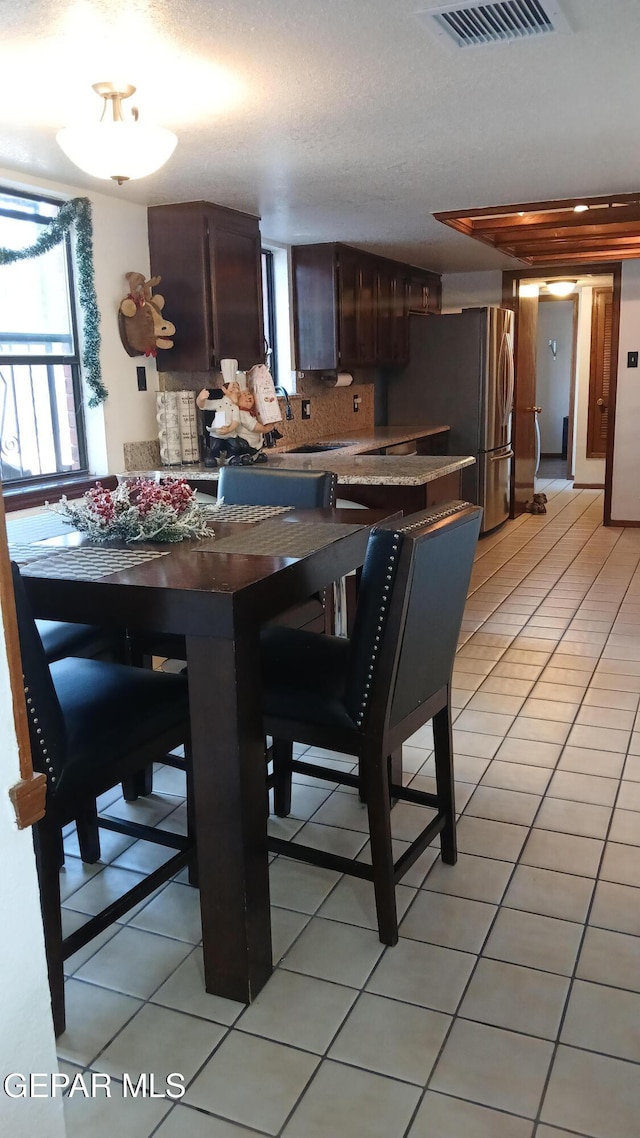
(141, 373)
(632, 359)
(356, 403)
(306, 408)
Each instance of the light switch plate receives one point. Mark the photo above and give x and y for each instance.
(632, 359)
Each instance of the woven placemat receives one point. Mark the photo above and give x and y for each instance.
(23, 553)
(280, 538)
(37, 527)
(247, 514)
(87, 562)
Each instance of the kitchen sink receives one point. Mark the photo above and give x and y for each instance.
(315, 448)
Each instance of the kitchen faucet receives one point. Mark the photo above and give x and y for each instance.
(285, 395)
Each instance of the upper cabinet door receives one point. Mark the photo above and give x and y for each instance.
(400, 322)
(392, 324)
(236, 293)
(425, 290)
(348, 293)
(386, 300)
(209, 260)
(366, 311)
(316, 284)
(178, 255)
(418, 294)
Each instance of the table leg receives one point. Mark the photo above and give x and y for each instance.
(231, 810)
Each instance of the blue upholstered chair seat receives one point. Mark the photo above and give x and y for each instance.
(304, 676)
(60, 639)
(90, 692)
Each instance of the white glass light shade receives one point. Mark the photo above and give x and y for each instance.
(118, 150)
(561, 288)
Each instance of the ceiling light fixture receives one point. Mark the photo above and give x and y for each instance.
(561, 288)
(115, 147)
(581, 208)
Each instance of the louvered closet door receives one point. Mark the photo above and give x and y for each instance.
(599, 373)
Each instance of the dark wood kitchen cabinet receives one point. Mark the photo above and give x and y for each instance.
(334, 307)
(356, 309)
(424, 292)
(351, 308)
(209, 259)
(392, 324)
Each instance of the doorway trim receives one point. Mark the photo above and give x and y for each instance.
(572, 382)
(510, 281)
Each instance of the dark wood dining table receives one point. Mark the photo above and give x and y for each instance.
(218, 601)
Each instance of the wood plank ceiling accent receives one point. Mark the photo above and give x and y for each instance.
(550, 233)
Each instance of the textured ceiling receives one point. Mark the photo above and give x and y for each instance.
(334, 119)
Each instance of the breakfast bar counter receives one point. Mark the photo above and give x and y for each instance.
(407, 482)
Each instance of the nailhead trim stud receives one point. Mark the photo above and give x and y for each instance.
(429, 520)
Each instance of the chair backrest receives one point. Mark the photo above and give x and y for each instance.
(258, 486)
(46, 724)
(410, 605)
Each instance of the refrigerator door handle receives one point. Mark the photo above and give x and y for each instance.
(502, 382)
(501, 457)
(510, 378)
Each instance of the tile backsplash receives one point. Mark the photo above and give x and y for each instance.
(332, 413)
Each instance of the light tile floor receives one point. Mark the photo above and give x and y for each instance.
(511, 1005)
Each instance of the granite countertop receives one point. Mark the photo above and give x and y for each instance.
(377, 469)
(363, 442)
(351, 469)
(353, 461)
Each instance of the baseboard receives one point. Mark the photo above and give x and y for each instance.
(594, 486)
(627, 525)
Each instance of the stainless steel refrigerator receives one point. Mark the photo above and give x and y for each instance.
(461, 372)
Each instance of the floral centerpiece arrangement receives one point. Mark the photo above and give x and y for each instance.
(138, 510)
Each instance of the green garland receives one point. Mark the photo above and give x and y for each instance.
(76, 211)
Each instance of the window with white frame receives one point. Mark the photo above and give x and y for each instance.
(269, 312)
(276, 296)
(41, 421)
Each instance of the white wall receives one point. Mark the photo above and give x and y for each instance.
(120, 245)
(471, 290)
(625, 500)
(26, 1029)
(553, 376)
(586, 471)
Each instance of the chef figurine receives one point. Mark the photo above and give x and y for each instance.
(240, 436)
(221, 420)
(251, 431)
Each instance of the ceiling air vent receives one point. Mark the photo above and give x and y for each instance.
(470, 23)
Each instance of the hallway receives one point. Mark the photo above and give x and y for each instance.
(511, 1006)
(550, 469)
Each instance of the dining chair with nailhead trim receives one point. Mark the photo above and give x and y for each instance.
(367, 695)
